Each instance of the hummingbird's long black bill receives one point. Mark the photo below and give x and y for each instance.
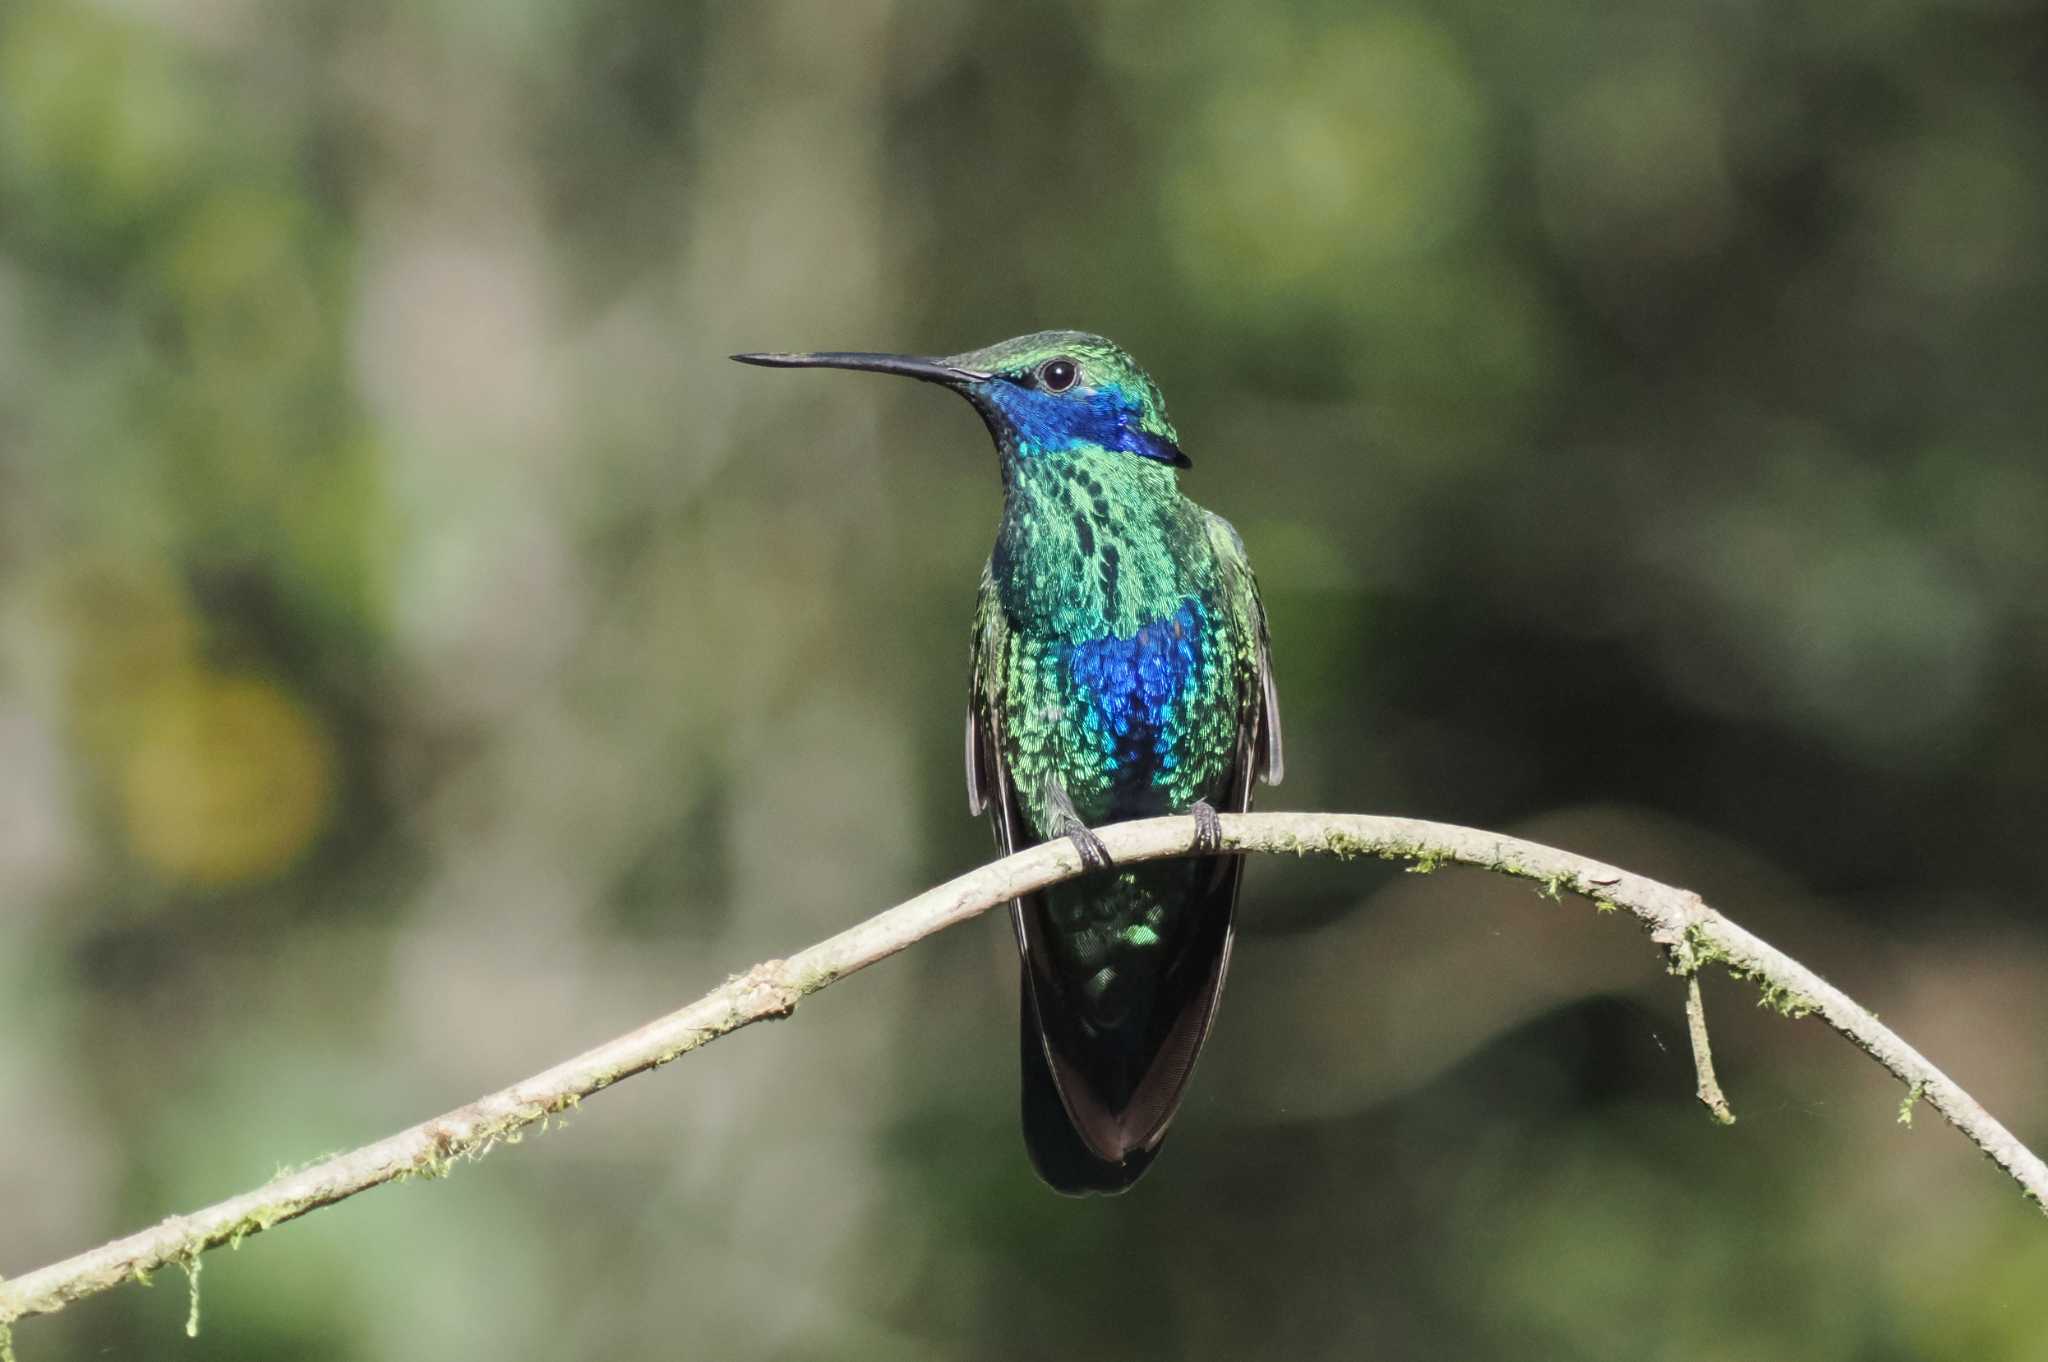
(909, 366)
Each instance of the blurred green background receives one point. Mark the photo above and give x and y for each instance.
(423, 655)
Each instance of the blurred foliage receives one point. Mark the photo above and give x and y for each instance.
(421, 655)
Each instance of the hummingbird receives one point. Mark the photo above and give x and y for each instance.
(1120, 668)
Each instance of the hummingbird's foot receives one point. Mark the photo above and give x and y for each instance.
(1068, 823)
(1208, 828)
(1094, 855)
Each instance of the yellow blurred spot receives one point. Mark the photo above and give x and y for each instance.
(230, 781)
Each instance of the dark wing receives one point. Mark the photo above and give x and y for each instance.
(991, 633)
(1259, 709)
(988, 778)
(988, 783)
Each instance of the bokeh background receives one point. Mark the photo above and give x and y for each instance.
(423, 655)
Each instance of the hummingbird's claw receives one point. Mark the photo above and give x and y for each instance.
(1208, 828)
(1094, 855)
(1067, 822)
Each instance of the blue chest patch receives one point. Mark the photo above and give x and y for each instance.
(1135, 690)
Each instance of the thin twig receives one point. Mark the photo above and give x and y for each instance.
(1696, 935)
(1710, 1092)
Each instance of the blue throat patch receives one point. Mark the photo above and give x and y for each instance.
(1051, 423)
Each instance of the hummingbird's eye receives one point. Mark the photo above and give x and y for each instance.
(1058, 375)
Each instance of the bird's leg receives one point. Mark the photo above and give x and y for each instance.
(1208, 827)
(1067, 823)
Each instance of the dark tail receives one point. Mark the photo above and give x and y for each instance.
(1058, 1152)
(1097, 1098)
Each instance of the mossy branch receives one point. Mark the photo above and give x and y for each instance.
(1693, 935)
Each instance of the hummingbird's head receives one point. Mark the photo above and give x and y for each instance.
(1052, 392)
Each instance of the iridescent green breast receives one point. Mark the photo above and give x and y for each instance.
(1126, 658)
(1132, 725)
